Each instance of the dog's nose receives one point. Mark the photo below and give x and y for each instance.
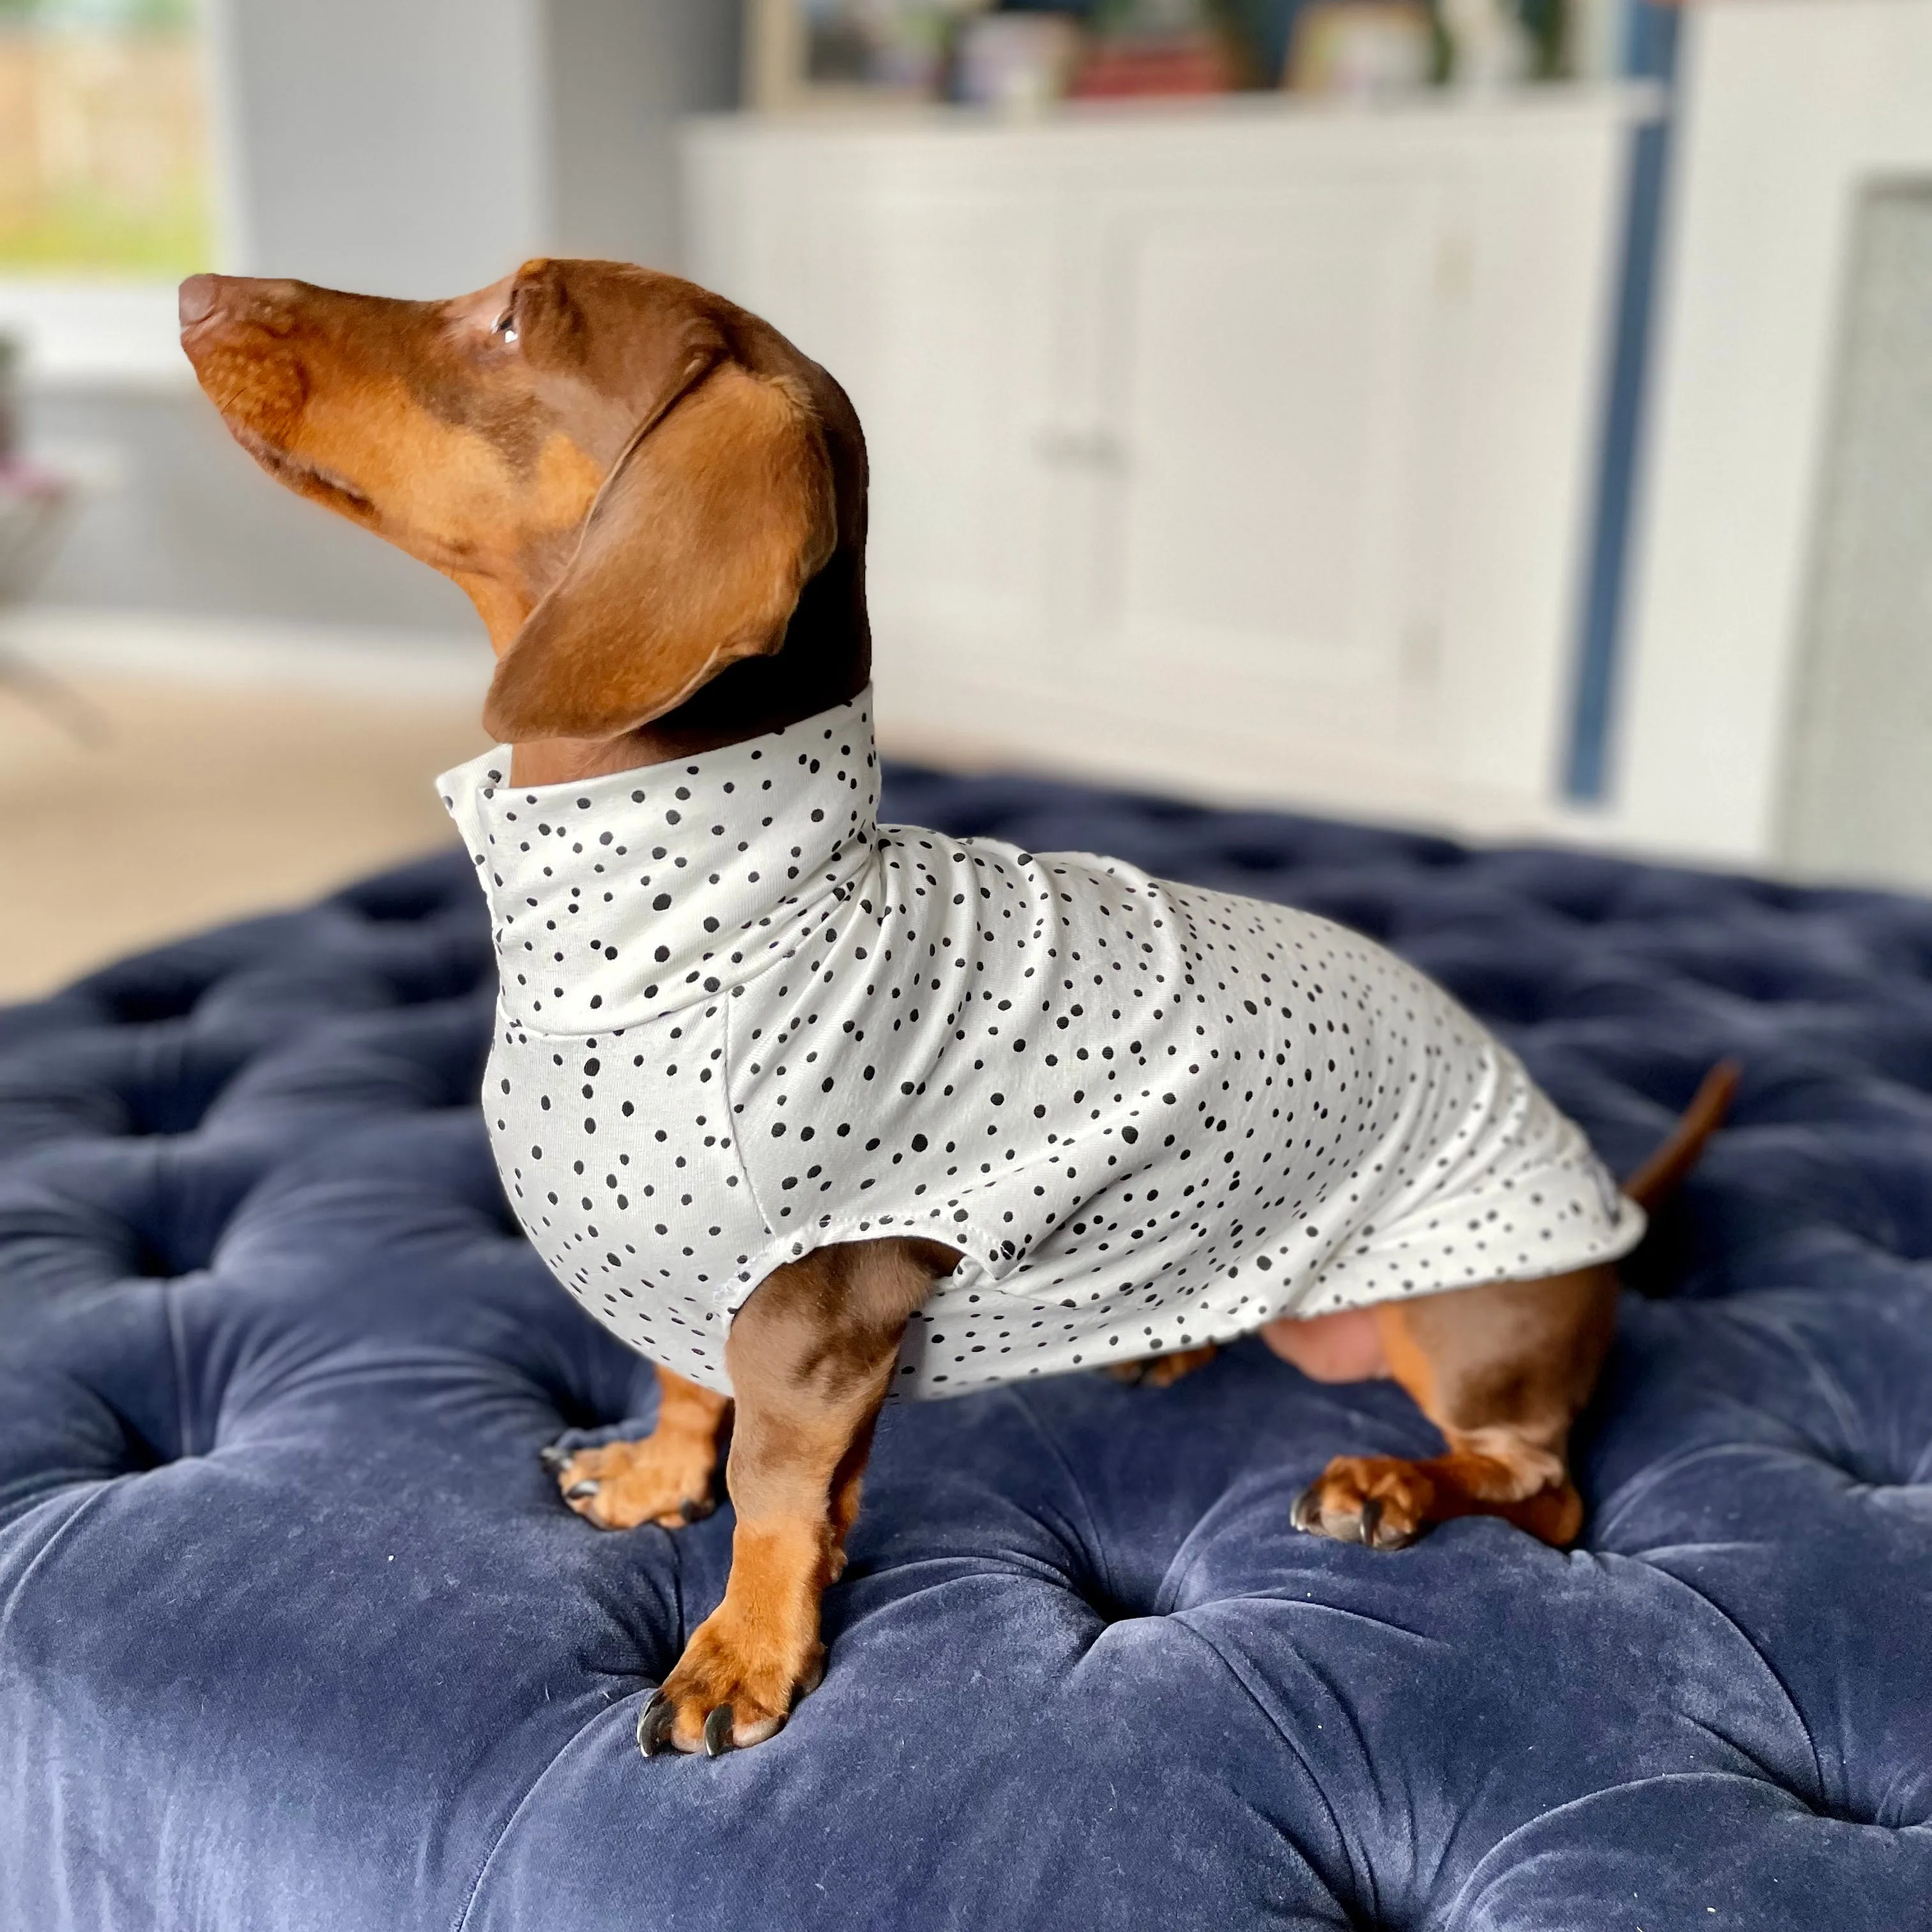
(198, 296)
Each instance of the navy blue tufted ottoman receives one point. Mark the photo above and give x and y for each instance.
(295, 1633)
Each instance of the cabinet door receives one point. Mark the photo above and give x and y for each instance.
(1278, 370)
(924, 273)
(952, 384)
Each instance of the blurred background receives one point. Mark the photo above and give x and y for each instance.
(1512, 417)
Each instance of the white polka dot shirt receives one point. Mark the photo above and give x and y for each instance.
(740, 1019)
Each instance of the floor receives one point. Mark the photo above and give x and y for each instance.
(158, 806)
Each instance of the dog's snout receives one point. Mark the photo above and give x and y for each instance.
(199, 295)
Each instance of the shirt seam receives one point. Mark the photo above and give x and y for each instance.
(731, 1127)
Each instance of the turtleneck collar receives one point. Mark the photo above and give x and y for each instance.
(617, 899)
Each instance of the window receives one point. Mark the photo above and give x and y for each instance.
(103, 138)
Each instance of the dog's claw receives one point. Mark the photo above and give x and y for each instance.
(693, 1510)
(1305, 1513)
(1370, 1519)
(553, 1458)
(654, 1723)
(717, 1731)
(578, 1492)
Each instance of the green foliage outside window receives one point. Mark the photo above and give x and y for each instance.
(120, 15)
(102, 138)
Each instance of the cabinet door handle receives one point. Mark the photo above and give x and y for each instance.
(1067, 447)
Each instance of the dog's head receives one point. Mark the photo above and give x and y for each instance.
(638, 484)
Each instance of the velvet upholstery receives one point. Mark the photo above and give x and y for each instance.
(295, 1633)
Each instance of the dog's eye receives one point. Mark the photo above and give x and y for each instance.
(506, 325)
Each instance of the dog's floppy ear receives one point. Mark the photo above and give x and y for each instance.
(692, 556)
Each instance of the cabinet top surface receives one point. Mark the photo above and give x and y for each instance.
(1434, 112)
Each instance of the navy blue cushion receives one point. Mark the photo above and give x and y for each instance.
(295, 1632)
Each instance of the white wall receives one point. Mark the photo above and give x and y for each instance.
(622, 73)
(1789, 108)
(396, 146)
(419, 147)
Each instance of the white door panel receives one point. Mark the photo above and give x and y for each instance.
(1275, 364)
(956, 379)
(935, 303)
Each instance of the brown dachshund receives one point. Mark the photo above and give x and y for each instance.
(660, 504)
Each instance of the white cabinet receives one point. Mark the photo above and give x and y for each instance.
(1250, 453)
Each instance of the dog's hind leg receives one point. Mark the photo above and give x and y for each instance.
(1502, 1370)
(665, 1477)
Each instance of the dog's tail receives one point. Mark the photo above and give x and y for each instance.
(1663, 1173)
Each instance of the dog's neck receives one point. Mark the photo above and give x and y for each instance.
(826, 658)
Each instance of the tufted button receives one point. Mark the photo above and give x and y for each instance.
(120, 1212)
(157, 1080)
(1099, 1597)
(429, 889)
(131, 999)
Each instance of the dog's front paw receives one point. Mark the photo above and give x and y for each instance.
(1379, 1501)
(734, 1686)
(665, 1478)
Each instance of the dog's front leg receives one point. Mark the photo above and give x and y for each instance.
(810, 1356)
